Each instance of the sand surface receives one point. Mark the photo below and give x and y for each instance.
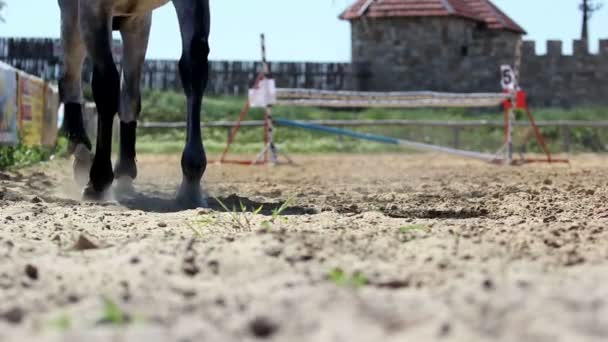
(371, 248)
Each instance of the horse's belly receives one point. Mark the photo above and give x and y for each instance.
(128, 7)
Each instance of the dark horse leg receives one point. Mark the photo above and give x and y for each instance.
(70, 89)
(96, 26)
(194, 21)
(135, 31)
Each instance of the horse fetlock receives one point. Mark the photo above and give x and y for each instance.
(194, 164)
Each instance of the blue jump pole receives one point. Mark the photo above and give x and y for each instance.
(314, 127)
(385, 140)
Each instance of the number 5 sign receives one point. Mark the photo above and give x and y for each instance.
(507, 81)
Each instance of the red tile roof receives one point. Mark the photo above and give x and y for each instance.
(479, 10)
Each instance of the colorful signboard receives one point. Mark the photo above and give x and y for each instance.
(8, 105)
(31, 109)
(50, 117)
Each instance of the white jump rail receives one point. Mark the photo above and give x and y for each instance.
(357, 99)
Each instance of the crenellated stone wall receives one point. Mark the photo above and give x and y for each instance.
(557, 79)
(457, 55)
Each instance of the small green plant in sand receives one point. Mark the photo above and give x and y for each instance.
(196, 225)
(241, 217)
(408, 233)
(195, 230)
(276, 214)
(411, 228)
(340, 278)
(62, 323)
(113, 314)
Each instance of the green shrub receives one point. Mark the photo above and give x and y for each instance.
(21, 156)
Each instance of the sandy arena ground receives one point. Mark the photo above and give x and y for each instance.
(447, 249)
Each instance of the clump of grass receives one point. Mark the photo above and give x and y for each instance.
(412, 228)
(276, 214)
(240, 218)
(196, 225)
(62, 323)
(113, 314)
(195, 230)
(340, 278)
(408, 233)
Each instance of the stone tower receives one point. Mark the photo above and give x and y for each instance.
(440, 45)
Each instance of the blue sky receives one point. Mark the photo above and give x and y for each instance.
(297, 30)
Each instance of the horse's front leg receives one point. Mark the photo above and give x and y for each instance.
(96, 26)
(194, 20)
(135, 32)
(70, 89)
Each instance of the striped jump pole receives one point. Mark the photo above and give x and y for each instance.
(386, 140)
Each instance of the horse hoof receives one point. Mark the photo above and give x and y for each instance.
(191, 197)
(83, 160)
(126, 168)
(123, 187)
(91, 194)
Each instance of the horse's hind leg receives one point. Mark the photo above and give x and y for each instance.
(135, 32)
(96, 25)
(193, 18)
(70, 88)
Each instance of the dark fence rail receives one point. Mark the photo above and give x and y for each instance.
(42, 57)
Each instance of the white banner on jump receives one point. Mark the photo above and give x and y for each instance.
(264, 95)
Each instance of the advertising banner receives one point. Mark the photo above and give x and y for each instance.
(31, 109)
(50, 118)
(8, 105)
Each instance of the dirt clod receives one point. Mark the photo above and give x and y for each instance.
(31, 271)
(445, 330)
(13, 316)
(190, 269)
(488, 285)
(274, 250)
(84, 243)
(262, 327)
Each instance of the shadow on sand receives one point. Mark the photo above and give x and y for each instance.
(162, 203)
